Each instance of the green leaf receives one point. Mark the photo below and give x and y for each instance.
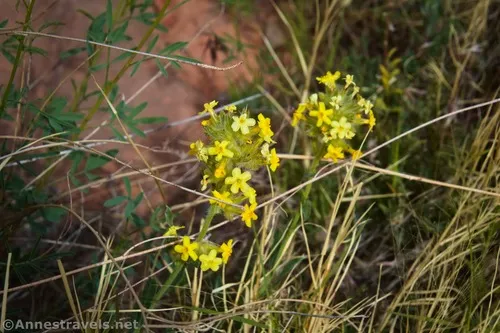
(109, 15)
(35, 50)
(115, 201)
(128, 187)
(136, 67)
(138, 222)
(71, 52)
(90, 176)
(135, 130)
(86, 14)
(173, 47)
(67, 116)
(50, 24)
(96, 161)
(97, 68)
(113, 93)
(4, 23)
(161, 28)
(151, 120)
(152, 43)
(169, 216)
(136, 110)
(129, 209)
(96, 30)
(118, 34)
(118, 135)
(55, 124)
(147, 18)
(138, 199)
(76, 182)
(53, 214)
(8, 56)
(161, 67)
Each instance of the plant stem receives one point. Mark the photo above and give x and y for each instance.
(17, 60)
(212, 211)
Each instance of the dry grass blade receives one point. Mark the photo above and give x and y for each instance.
(67, 289)
(3, 315)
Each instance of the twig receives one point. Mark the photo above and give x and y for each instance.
(152, 55)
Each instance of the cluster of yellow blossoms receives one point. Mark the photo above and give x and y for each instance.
(238, 145)
(204, 252)
(335, 115)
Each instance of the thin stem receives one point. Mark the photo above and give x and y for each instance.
(212, 211)
(17, 60)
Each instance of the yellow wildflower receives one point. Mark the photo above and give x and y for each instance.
(298, 115)
(198, 149)
(265, 128)
(210, 261)
(329, 79)
(334, 153)
(336, 102)
(362, 102)
(341, 129)
(226, 249)
(204, 182)
(220, 172)
(220, 150)
(230, 108)
(172, 231)
(371, 120)
(221, 196)
(349, 79)
(238, 181)
(265, 151)
(322, 114)
(195, 147)
(313, 99)
(250, 194)
(205, 123)
(187, 249)
(242, 123)
(274, 160)
(368, 107)
(355, 91)
(248, 215)
(271, 157)
(209, 107)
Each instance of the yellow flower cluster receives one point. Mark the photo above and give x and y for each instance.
(205, 253)
(335, 115)
(239, 144)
